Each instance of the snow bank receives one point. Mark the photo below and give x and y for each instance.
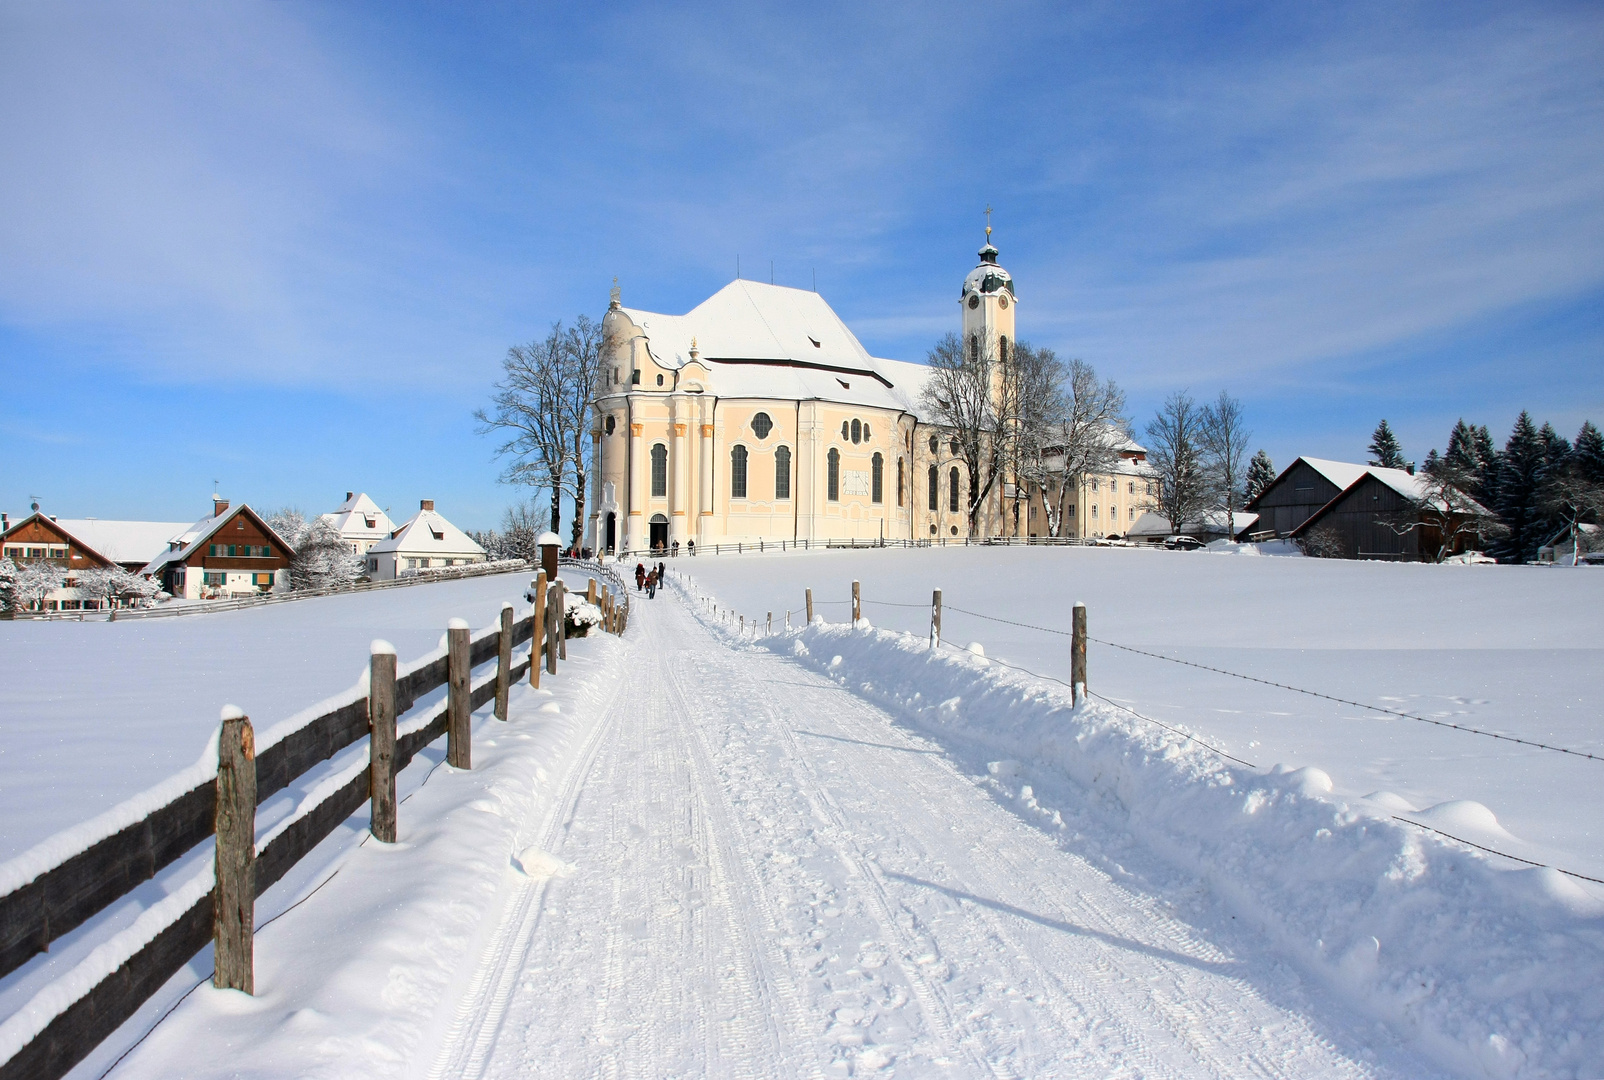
(1489, 970)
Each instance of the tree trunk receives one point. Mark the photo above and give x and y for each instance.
(556, 502)
(579, 507)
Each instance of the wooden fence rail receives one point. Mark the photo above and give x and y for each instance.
(63, 897)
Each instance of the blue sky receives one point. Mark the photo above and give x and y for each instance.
(285, 246)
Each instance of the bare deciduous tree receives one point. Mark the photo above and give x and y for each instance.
(542, 403)
(1572, 499)
(1174, 437)
(1223, 438)
(324, 558)
(1443, 511)
(975, 397)
(1081, 435)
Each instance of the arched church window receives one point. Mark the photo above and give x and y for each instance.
(974, 347)
(899, 481)
(659, 471)
(659, 380)
(935, 445)
(762, 425)
(952, 490)
(1094, 483)
(738, 473)
(611, 423)
(952, 444)
(1002, 349)
(974, 301)
(857, 432)
(866, 431)
(845, 431)
(782, 472)
(877, 479)
(935, 488)
(832, 475)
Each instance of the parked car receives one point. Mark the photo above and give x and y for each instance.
(1183, 543)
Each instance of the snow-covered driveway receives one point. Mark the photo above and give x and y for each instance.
(752, 872)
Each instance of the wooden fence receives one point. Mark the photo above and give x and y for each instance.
(68, 894)
(763, 546)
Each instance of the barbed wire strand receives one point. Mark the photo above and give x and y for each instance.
(1295, 689)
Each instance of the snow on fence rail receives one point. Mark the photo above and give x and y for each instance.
(763, 546)
(60, 884)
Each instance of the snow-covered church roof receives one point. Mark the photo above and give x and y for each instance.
(770, 341)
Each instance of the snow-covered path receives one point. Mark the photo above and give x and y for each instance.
(753, 872)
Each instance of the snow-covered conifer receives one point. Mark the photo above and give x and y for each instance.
(1519, 475)
(1261, 474)
(1588, 452)
(8, 579)
(1385, 453)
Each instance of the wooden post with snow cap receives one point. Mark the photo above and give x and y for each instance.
(549, 544)
(935, 619)
(234, 896)
(590, 592)
(1077, 654)
(537, 629)
(810, 607)
(381, 741)
(459, 697)
(504, 661)
(857, 604)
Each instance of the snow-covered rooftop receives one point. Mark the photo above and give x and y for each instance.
(770, 341)
(428, 533)
(359, 518)
(124, 541)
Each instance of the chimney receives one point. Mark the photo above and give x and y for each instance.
(426, 504)
(348, 495)
(5, 523)
(218, 506)
(1409, 468)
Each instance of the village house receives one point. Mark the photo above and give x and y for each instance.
(1302, 489)
(231, 553)
(426, 541)
(360, 522)
(75, 544)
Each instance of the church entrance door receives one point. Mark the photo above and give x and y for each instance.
(659, 535)
(611, 543)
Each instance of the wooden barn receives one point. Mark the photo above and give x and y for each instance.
(1299, 492)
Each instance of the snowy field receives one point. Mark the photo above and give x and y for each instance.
(1514, 650)
(92, 713)
(831, 851)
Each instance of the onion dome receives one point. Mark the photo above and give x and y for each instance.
(988, 277)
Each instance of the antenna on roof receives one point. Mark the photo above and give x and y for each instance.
(35, 499)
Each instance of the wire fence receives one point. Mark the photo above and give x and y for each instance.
(1465, 728)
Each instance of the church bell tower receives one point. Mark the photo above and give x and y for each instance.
(988, 304)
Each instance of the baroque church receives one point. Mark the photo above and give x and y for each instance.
(759, 416)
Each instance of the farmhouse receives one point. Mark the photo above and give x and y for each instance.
(229, 554)
(426, 541)
(360, 522)
(760, 416)
(1302, 488)
(75, 544)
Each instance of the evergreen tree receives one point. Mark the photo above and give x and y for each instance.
(1520, 476)
(1261, 474)
(1470, 454)
(1384, 450)
(1434, 462)
(1588, 453)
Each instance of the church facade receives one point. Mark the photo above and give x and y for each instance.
(759, 416)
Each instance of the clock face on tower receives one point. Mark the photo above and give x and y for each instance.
(974, 301)
(1002, 301)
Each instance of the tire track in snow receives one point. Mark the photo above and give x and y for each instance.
(473, 1029)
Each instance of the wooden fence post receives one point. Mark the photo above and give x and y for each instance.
(537, 630)
(234, 897)
(562, 620)
(743, 625)
(810, 607)
(590, 592)
(935, 619)
(554, 617)
(459, 704)
(857, 605)
(1077, 654)
(381, 742)
(769, 628)
(504, 662)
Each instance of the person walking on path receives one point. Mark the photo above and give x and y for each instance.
(651, 585)
(640, 576)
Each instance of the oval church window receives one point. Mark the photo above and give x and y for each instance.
(762, 425)
(974, 301)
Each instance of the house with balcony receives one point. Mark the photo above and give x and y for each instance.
(233, 553)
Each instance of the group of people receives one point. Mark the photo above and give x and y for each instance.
(673, 549)
(649, 580)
